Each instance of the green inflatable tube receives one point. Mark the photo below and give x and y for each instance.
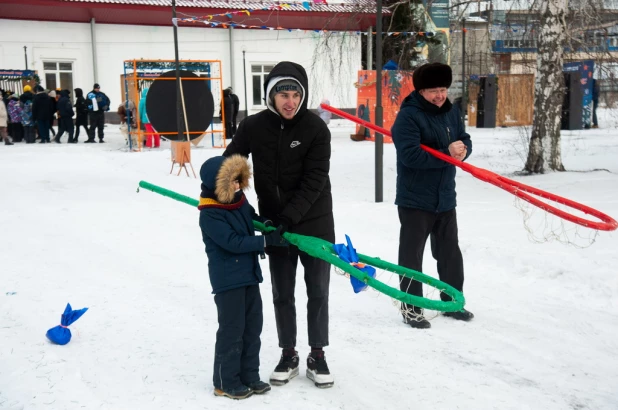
(322, 249)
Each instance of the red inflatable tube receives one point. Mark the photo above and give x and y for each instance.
(516, 188)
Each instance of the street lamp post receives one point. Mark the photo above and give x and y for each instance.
(244, 71)
(379, 141)
(178, 101)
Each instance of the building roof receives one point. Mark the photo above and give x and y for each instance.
(345, 15)
(336, 6)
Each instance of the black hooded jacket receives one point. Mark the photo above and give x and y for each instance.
(26, 96)
(42, 107)
(291, 161)
(227, 106)
(81, 108)
(65, 110)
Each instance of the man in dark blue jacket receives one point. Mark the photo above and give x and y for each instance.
(426, 185)
(98, 104)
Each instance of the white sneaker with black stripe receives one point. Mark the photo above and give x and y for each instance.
(317, 370)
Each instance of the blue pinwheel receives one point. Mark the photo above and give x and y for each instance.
(348, 254)
(61, 334)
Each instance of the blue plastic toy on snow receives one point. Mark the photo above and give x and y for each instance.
(348, 254)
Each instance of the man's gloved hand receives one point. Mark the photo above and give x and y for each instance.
(275, 238)
(284, 224)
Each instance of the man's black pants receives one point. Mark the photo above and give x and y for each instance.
(65, 124)
(97, 121)
(283, 263)
(237, 350)
(416, 226)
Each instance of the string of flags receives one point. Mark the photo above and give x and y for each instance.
(283, 6)
(209, 21)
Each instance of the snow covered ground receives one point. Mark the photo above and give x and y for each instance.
(73, 229)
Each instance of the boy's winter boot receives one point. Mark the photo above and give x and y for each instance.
(259, 387)
(287, 368)
(238, 393)
(463, 314)
(317, 370)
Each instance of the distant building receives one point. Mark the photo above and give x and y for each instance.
(68, 40)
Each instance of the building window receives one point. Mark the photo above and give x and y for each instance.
(503, 63)
(258, 77)
(58, 75)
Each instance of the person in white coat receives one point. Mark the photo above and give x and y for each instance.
(324, 115)
(4, 120)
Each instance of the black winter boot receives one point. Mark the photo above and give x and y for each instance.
(259, 387)
(463, 314)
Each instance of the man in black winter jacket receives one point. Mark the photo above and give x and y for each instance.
(227, 110)
(290, 149)
(65, 116)
(426, 185)
(236, 107)
(42, 111)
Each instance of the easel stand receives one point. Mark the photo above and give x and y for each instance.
(181, 155)
(181, 150)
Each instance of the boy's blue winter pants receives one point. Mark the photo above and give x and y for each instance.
(237, 350)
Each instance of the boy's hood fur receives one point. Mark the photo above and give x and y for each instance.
(234, 167)
(218, 173)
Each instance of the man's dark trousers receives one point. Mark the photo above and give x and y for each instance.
(43, 127)
(65, 124)
(237, 350)
(283, 263)
(416, 226)
(97, 120)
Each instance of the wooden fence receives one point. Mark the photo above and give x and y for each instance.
(515, 100)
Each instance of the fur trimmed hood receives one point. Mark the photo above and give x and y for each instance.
(218, 173)
(233, 168)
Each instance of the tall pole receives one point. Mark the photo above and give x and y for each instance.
(93, 36)
(178, 102)
(26, 56)
(370, 48)
(379, 144)
(244, 71)
(464, 95)
(232, 71)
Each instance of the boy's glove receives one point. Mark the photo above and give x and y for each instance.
(275, 238)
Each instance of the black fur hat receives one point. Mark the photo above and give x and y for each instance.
(432, 75)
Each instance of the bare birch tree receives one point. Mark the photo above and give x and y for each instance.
(544, 152)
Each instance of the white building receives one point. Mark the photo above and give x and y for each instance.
(75, 43)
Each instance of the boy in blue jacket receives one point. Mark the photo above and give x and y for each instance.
(226, 220)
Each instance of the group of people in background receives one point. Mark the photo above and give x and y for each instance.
(31, 116)
(128, 113)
